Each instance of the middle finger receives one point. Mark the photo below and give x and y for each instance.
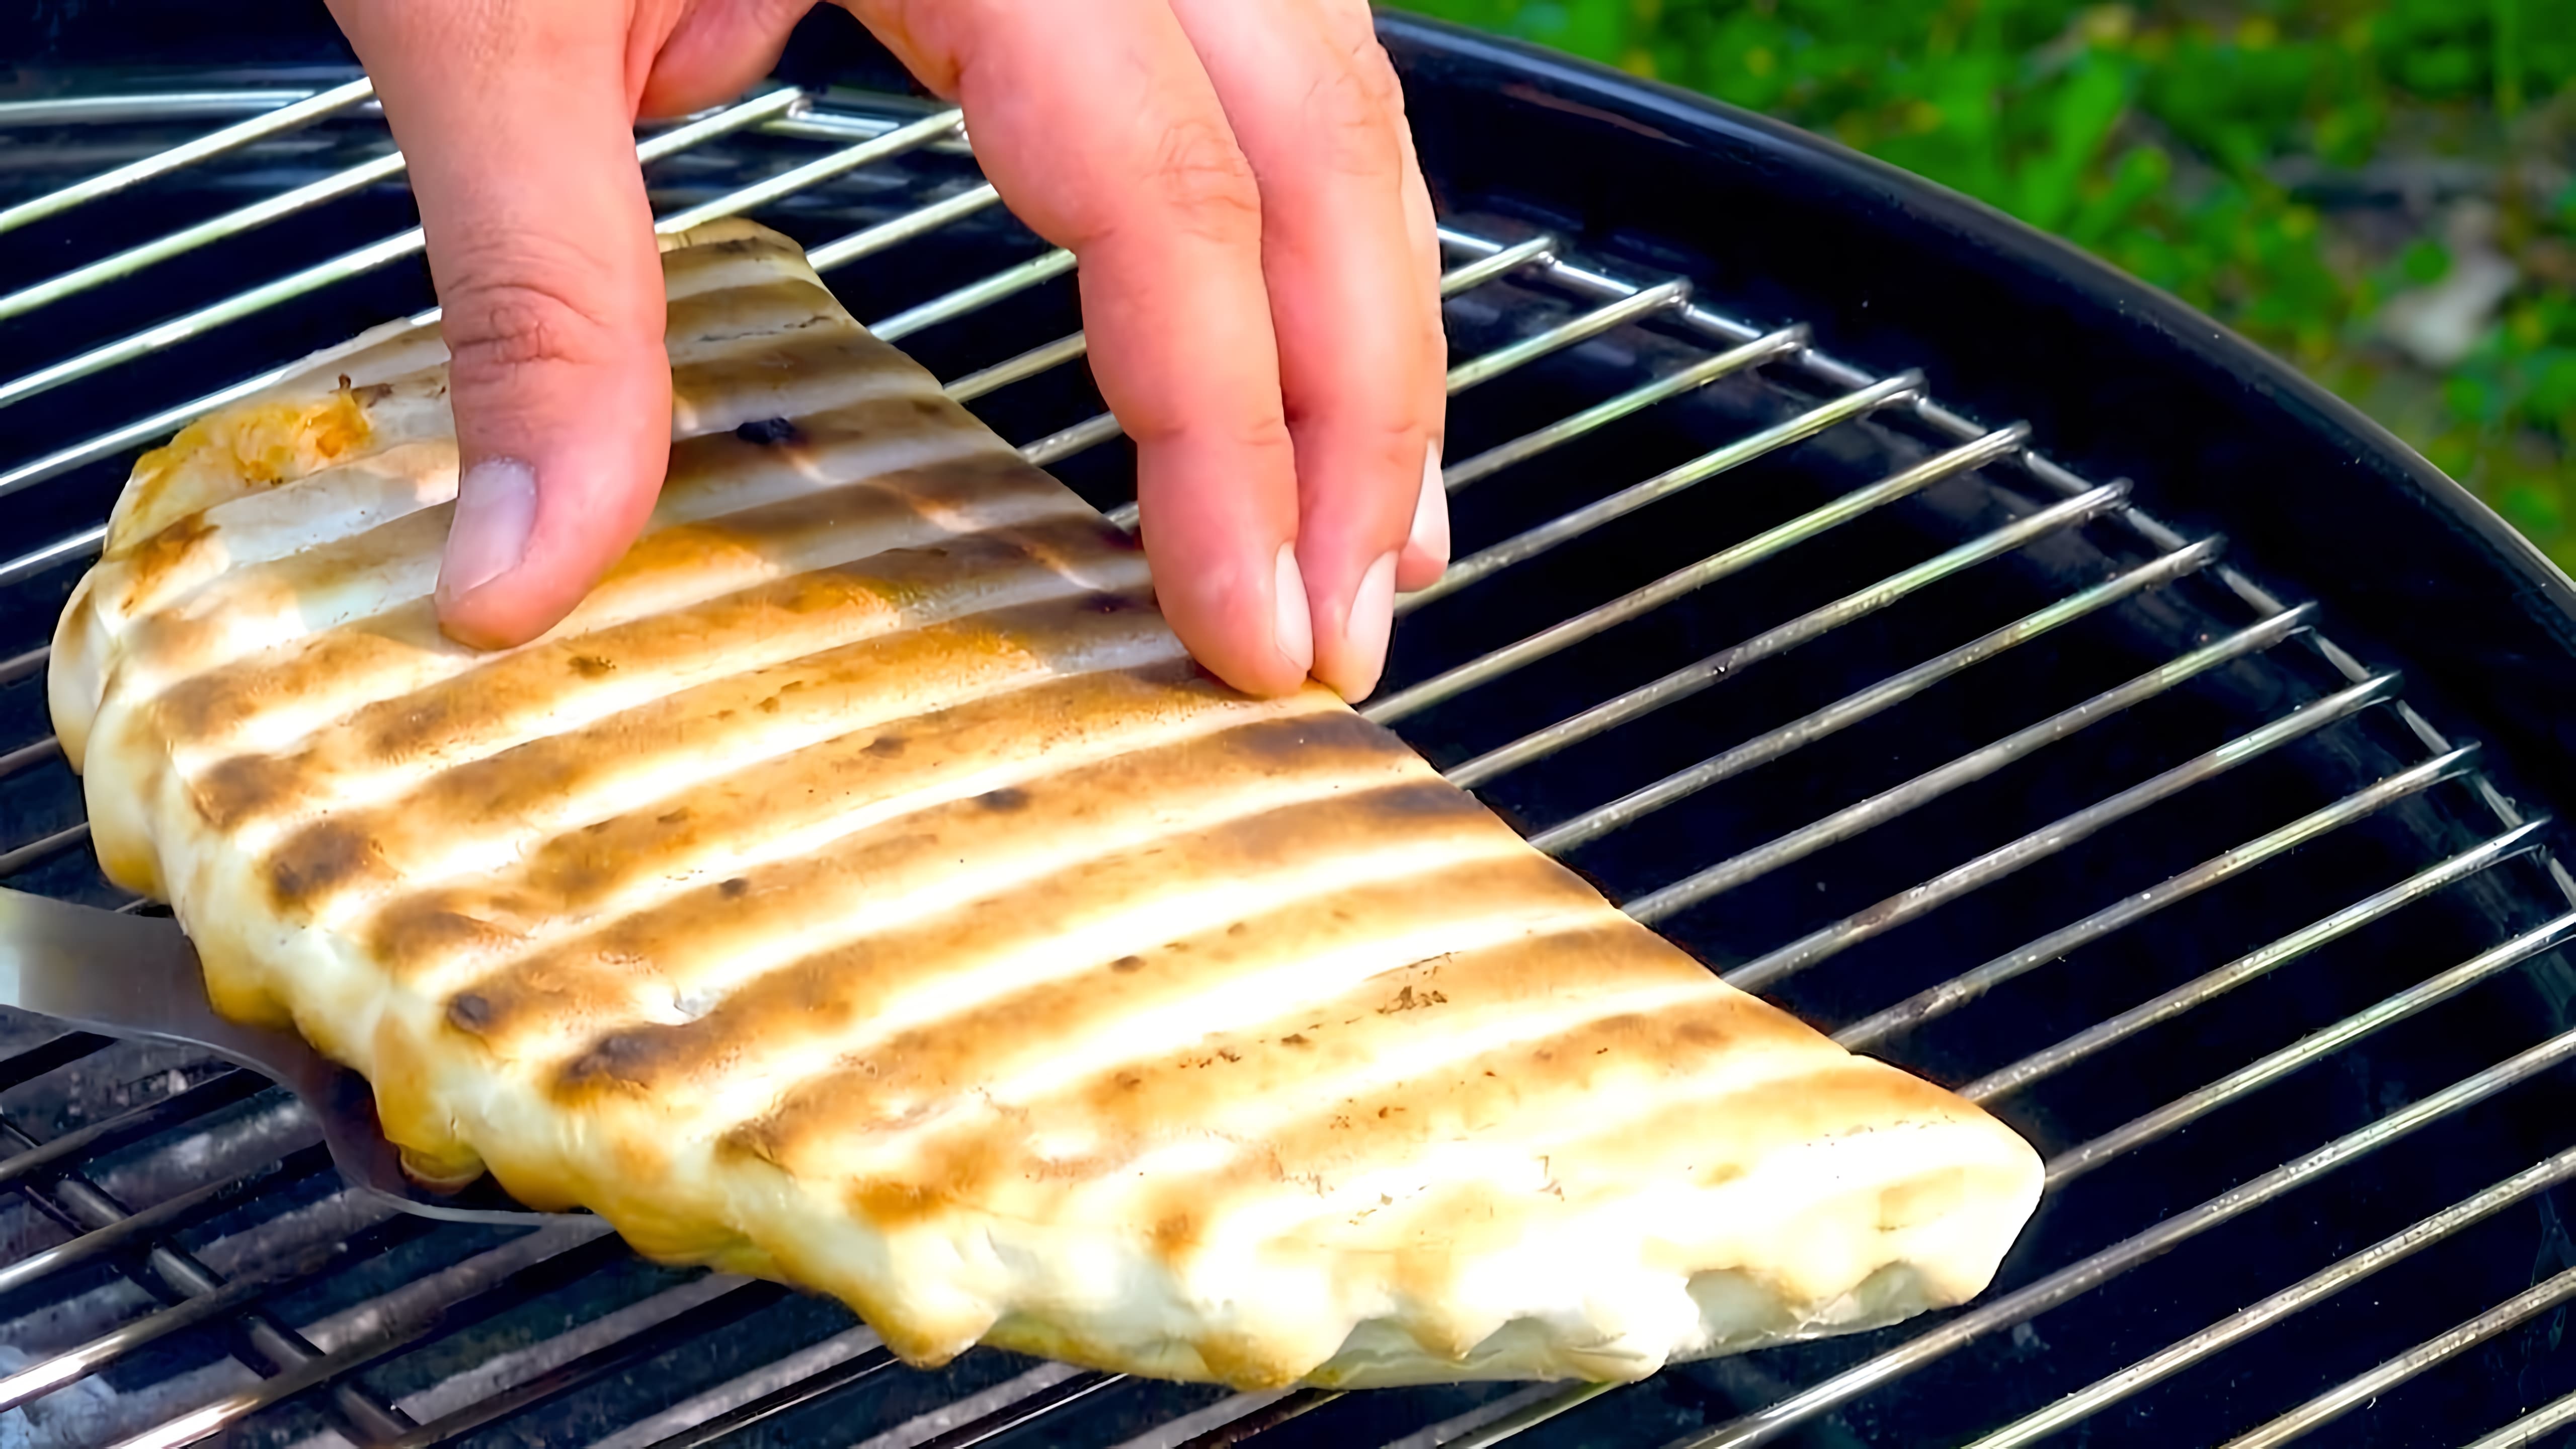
(1353, 299)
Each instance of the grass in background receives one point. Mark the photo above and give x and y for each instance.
(2378, 190)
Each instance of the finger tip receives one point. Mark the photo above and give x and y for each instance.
(1417, 570)
(476, 629)
(505, 612)
(1351, 641)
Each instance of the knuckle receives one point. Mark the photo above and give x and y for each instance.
(1202, 175)
(1351, 119)
(528, 319)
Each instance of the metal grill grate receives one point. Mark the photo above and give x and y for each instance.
(2273, 860)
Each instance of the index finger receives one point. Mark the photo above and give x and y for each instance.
(1100, 128)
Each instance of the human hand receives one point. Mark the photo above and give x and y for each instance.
(1258, 269)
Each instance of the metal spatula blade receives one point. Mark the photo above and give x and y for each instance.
(134, 976)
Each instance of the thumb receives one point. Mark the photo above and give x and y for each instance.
(517, 117)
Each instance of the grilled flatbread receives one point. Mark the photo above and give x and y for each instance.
(863, 889)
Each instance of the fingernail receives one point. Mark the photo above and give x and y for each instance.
(1431, 510)
(1294, 632)
(1372, 619)
(496, 510)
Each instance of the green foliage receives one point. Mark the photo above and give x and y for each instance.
(2172, 137)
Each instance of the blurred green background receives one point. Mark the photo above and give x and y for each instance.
(2378, 190)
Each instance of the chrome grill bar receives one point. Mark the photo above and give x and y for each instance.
(2056, 836)
(1027, 365)
(1933, 784)
(37, 852)
(2353, 1393)
(1482, 565)
(42, 752)
(2081, 1277)
(354, 263)
(189, 238)
(830, 1379)
(79, 1204)
(518, 1287)
(2307, 1050)
(1066, 349)
(1939, 1001)
(1517, 355)
(285, 118)
(2202, 989)
(1683, 683)
(2256, 1317)
(1853, 708)
(2531, 1428)
(815, 172)
(146, 106)
(81, 545)
(1100, 429)
(975, 296)
(1635, 400)
(19, 666)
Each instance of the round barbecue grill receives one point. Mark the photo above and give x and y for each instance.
(2129, 735)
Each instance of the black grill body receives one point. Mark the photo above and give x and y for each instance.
(574, 1342)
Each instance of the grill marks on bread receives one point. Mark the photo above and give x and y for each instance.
(862, 884)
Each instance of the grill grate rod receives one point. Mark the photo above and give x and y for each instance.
(1530, 1417)
(1931, 785)
(19, 666)
(830, 1379)
(79, 545)
(1027, 365)
(1102, 427)
(1681, 582)
(2353, 1393)
(521, 1286)
(1078, 344)
(974, 296)
(361, 260)
(2078, 1278)
(168, 1213)
(2050, 839)
(1516, 355)
(903, 228)
(218, 1091)
(1294, 1405)
(160, 424)
(821, 169)
(1063, 1394)
(1938, 1001)
(1664, 296)
(2066, 482)
(83, 1206)
(143, 106)
(695, 1323)
(37, 852)
(2208, 986)
(2528, 1430)
(25, 757)
(2255, 1317)
(2073, 1163)
(189, 238)
(70, 1365)
(45, 1056)
(1814, 624)
(1602, 511)
(1636, 400)
(1862, 704)
(285, 118)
